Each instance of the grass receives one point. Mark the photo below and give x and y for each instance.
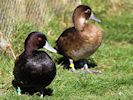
(114, 58)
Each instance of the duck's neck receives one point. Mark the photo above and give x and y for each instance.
(29, 49)
(79, 23)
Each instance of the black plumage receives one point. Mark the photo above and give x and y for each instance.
(34, 69)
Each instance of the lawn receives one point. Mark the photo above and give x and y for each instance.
(114, 58)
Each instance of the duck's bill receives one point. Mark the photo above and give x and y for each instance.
(49, 47)
(93, 17)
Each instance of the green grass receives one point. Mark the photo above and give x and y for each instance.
(114, 58)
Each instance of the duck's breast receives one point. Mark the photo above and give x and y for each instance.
(40, 64)
(91, 38)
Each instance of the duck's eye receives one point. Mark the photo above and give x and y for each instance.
(87, 11)
(39, 39)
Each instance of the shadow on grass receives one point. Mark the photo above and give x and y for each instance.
(78, 64)
(31, 90)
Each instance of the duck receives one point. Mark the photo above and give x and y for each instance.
(34, 69)
(81, 40)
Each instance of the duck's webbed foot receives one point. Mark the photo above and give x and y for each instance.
(86, 69)
(17, 85)
(45, 91)
(41, 93)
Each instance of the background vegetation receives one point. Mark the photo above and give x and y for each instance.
(114, 57)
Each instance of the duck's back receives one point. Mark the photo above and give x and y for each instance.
(35, 70)
(68, 40)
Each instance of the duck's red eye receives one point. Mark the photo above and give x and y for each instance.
(39, 39)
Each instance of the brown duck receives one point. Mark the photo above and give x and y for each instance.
(81, 40)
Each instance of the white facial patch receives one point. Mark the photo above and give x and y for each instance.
(82, 20)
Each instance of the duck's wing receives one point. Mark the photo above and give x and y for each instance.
(19, 65)
(66, 41)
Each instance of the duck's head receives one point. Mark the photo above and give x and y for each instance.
(37, 40)
(81, 14)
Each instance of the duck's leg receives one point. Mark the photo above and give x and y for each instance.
(85, 67)
(42, 93)
(18, 91)
(71, 65)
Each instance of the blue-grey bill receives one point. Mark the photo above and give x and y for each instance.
(49, 47)
(93, 17)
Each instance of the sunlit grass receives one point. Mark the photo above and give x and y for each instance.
(113, 58)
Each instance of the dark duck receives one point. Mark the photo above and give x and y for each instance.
(82, 40)
(34, 69)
